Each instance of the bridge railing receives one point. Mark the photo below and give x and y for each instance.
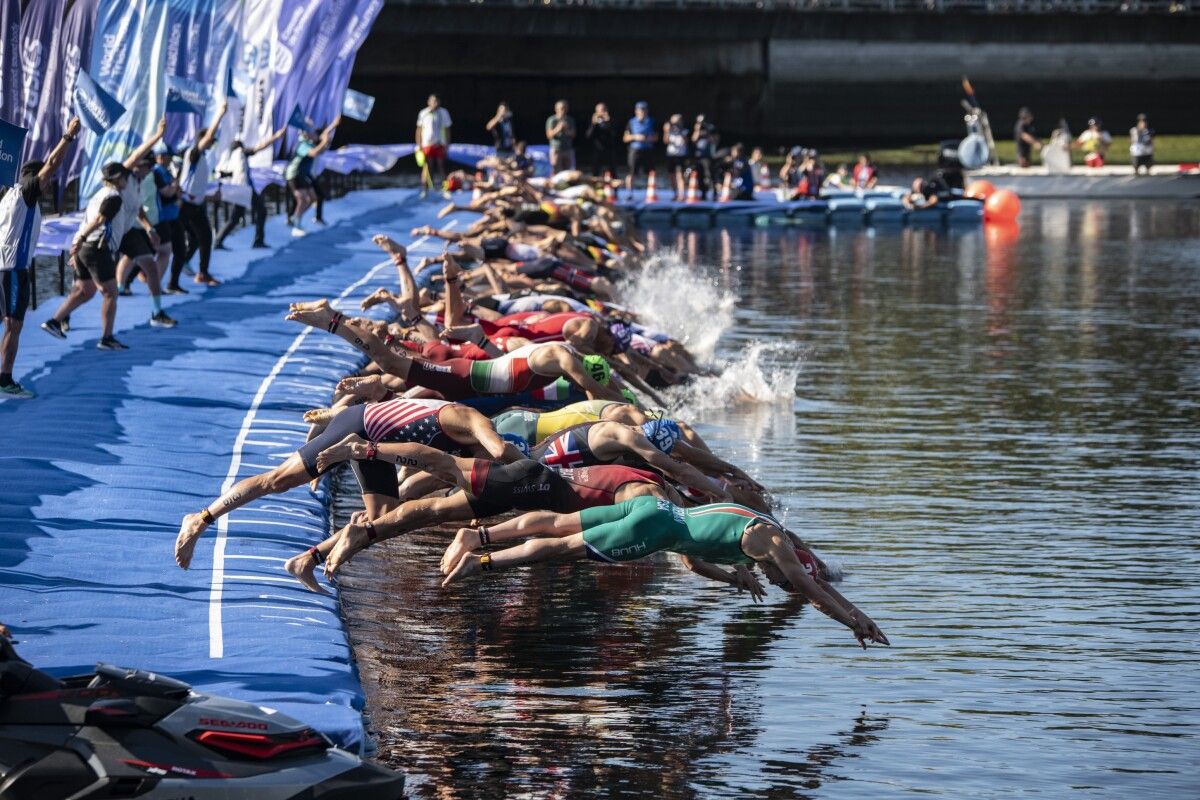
(1109, 7)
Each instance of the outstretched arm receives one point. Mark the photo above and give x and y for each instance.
(677, 470)
(265, 143)
(326, 137)
(55, 159)
(210, 135)
(148, 145)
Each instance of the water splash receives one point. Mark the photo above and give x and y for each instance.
(759, 374)
(671, 296)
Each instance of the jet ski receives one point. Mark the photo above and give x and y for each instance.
(120, 732)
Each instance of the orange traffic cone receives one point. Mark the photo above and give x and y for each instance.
(610, 196)
(693, 189)
(651, 188)
(727, 189)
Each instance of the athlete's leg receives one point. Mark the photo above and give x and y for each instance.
(288, 475)
(108, 306)
(533, 523)
(361, 532)
(536, 550)
(81, 291)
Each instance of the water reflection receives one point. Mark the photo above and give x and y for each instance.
(994, 432)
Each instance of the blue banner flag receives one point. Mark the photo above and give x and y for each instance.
(297, 120)
(357, 105)
(75, 52)
(186, 97)
(12, 88)
(97, 109)
(323, 104)
(41, 30)
(12, 139)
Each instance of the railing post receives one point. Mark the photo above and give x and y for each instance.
(62, 273)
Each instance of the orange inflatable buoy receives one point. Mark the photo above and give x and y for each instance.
(1002, 206)
(981, 190)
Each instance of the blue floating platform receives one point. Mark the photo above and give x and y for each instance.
(117, 447)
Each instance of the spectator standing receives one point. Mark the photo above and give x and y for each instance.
(705, 141)
(433, 140)
(93, 256)
(762, 172)
(675, 136)
(234, 170)
(20, 227)
(169, 227)
(1094, 142)
(193, 187)
(640, 135)
(1025, 137)
(560, 133)
(741, 174)
(500, 126)
(602, 139)
(864, 175)
(1141, 145)
(299, 171)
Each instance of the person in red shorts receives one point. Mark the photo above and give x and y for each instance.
(432, 139)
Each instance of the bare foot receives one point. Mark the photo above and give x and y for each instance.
(466, 540)
(368, 387)
(317, 314)
(190, 531)
(447, 211)
(380, 295)
(349, 540)
(465, 333)
(390, 246)
(318, 416)
(424, 230)
(450, 267)
(303, 568)
(467, 566)
(347, 448)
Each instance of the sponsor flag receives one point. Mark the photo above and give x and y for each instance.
(75, 50)
(297, 120)
(97, 109)
(259, 20)
(185, 96)
(39, 46)
(357, 105)
(324, 104)
(12, 88)
(12, 139)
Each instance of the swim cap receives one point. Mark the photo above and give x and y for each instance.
(622, 335)
(598, 368)
(807, 561)
(628, 394)
(517, 442)
(662, 433)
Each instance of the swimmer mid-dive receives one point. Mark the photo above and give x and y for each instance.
(487, 488)
(434, 423)
(722, 533)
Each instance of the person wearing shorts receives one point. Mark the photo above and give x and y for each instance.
(20, 228)
(640, 135)
(433, 140)
(430, 423)
(703, 537)
(93, 255)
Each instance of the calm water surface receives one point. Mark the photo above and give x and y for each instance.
(995, 433)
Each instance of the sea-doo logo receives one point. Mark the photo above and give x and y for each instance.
(242, 724)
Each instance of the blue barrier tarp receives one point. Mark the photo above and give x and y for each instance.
(99, 469)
